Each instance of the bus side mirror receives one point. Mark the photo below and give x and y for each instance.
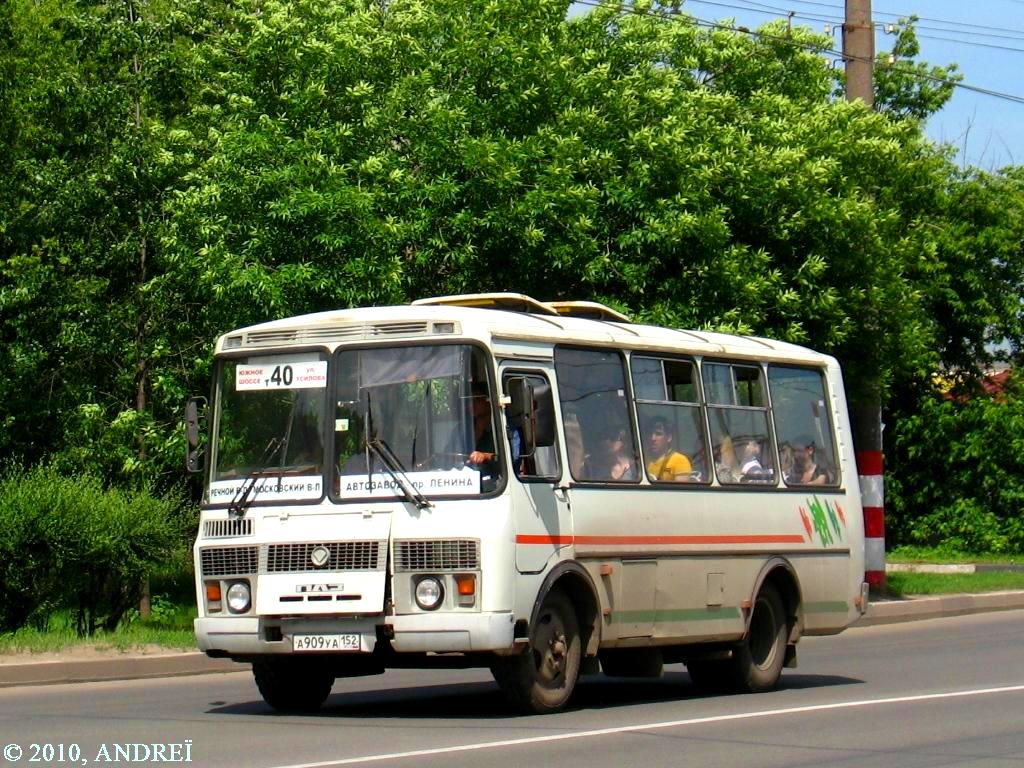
(194, 459)
(532, 410)
(544, 415)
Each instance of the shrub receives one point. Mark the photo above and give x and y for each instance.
(68, 542)
(955, 475)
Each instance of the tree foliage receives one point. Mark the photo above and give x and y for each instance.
(956, 473)
(174, 170)
(906, 88)
(93, 156)
(69, 543)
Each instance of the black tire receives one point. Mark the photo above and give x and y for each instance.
(541, 680)
(632, 662)
(757, 661)
(290, 684)
(709, 675)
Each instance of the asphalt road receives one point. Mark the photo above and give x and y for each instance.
(941, 692)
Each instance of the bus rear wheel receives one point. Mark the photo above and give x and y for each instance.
(757, 662)
(290, 684)
(541, 680)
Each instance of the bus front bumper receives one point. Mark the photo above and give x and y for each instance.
(417, 633)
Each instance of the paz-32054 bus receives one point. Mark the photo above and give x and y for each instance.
(544, 489)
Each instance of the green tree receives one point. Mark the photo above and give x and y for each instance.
(957, 474)
(906, 88)
(365, 153)
(94, 151)
(177, 170)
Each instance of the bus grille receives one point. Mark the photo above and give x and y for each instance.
(344, 556)
(229, 561)
(440, 555)
(223, 529)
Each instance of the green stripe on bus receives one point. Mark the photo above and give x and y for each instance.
(681, 614)
(831, 606)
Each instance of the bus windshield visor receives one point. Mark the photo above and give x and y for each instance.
(420, 417)
(269, 429)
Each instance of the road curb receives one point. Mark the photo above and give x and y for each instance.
(919, 608)
(125, 667)
(58, 671)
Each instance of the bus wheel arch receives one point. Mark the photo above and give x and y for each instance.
(541, 680)
(572, 579)
(772, 627)
(780, 574)
(563, 630)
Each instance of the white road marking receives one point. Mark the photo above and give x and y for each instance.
(654, 726)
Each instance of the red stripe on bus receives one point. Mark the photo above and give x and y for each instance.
(783, 538)
(538, 539)
(869, 462)
(874, 523)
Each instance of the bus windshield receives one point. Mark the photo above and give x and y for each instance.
(270, 428)
(413, 415)
(408, 422)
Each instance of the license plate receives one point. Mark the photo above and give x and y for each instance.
(301, 643)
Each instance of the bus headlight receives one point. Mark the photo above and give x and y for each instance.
(429, 593)
(239, 597)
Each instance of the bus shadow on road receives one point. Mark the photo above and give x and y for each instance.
(599, 692)
(483, 700)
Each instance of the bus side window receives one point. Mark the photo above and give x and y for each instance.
(592, 390)
(738, 417)
(667, 399)
(803, 427)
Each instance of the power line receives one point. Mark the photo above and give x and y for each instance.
(780, 12)
(1013, 98)
(972, 43)
(839, 11)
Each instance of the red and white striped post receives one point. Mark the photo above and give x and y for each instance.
(870, 465)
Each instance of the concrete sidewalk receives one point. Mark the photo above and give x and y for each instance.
(114, 665)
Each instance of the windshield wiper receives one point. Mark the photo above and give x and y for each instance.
(394, 467)
(241, 501)
(391, 462)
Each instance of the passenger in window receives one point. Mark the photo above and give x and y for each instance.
(806, 470)
(751, 468)
(666, 464)
(786, 460)
(727, 467)
(613, 461)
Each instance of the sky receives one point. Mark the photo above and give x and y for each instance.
(985, 38)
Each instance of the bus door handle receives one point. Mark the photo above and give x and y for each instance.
(561, 492)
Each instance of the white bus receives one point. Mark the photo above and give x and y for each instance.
(544, 489)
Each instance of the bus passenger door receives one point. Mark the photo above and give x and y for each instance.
(540, 510)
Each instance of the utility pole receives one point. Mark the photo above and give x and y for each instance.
(859, 55)
(859, 51)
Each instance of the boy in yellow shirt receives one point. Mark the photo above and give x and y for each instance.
(667, 463)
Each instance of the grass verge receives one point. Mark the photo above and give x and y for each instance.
(170, 627)
(904, 584)
(938, 555)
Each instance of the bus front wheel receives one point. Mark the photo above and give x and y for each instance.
(290, 684)
(541, 680)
